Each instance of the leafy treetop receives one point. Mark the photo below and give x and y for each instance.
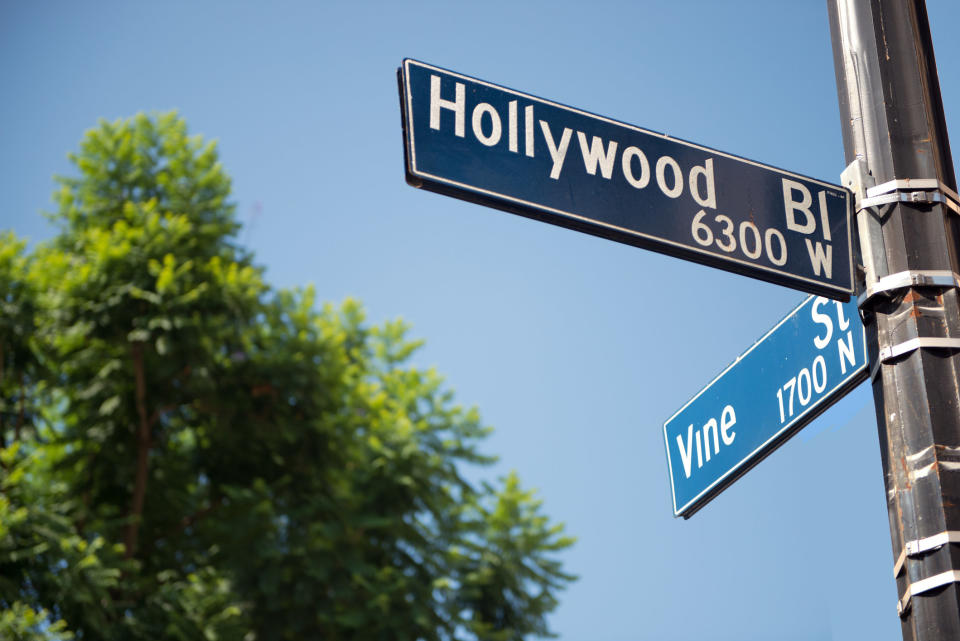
(212, 458)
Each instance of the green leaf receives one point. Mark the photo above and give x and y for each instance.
(109, 405)
(138, 336)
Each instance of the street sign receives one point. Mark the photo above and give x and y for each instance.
(807, 362)
(477, 141)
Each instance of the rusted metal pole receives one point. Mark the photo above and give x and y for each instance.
(901, 171)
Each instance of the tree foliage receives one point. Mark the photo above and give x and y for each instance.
(192, 454)
(20, 371)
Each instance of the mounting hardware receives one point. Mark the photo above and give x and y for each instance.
(910, 278)
(910, 190)
(919, 546)
(857, 178)
(929, 342)
(925, 585)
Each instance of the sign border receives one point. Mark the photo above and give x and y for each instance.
(841, 389)
(579, 222)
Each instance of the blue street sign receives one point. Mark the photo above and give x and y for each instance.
(488, 144)
(807, 362)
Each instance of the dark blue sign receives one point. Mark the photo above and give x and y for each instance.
(810, 360)
(473, 140)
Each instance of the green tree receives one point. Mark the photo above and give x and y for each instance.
(20, 371)
(223, 460)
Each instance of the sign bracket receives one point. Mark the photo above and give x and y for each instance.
(892, 352)
(910, 278)
(926, 585)
(911, 190)
(919, 546)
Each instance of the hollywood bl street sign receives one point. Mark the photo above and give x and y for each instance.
(509, 150)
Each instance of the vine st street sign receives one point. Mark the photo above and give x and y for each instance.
(495, 146)
(488, 144)
(807, 362)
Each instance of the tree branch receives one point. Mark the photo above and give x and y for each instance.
(143, 451)
(157, 413)
(3, 419)
(20, 413)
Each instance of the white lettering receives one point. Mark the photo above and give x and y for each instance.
(677, 188)
(745, 227)
(699, 453)
(596, 154)
(820, 259)
(768, 237)
(792, 206)
(824, 220)
(686, 453)
(477, 121)
(512, 126)
(709, 433)
(845, 351)
(804, 375)
(557, 153)
(844, 322)
(528, 130)
(711, 424)
(628, 154)
(457, 106)
(824, 320)
(710, 199)
(727, 420)
(819, 366)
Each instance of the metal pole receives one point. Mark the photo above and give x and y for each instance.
(894, 130)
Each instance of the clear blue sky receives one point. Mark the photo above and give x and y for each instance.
(574, 348)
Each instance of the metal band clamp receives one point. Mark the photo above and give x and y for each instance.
(911, 190)
(925, 585)
(910, 278)
(893, 351)
(919, 546)
(926, 197)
